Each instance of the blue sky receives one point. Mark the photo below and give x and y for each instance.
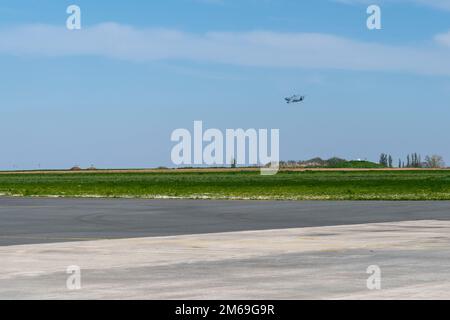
(111, 93)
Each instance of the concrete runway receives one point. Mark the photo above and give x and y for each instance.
(147, 249)
(299, 263)
(28, 221)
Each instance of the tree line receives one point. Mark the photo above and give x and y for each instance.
(413, 160)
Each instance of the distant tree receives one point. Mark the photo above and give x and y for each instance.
(399, 163)
(336, 162)
(408, 161)
(416, 160)
(434, 161)
(416, 163)
(390, 161)
(233, 163)
(384, 160)
(291, 163)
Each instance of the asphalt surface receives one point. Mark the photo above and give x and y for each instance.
(413, 259)
(34, 220)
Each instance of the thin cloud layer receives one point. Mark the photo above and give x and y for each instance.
(258, 48)
(443, 39)
(442, 4)
(438, 4)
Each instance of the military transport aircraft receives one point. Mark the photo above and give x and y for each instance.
(295, 98)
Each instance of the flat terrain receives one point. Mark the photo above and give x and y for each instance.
(300, 263)
(33, 220)
(190, 249)
(235, 184)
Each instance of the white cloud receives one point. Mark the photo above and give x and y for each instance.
(258, 48)
(439, 4)
(443, 4)
(443, 39)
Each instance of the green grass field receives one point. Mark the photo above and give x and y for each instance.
(310, 185)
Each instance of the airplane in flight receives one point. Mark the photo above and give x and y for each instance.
(295, 98)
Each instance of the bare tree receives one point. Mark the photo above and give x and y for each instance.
(434, 161)
(384, 160)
